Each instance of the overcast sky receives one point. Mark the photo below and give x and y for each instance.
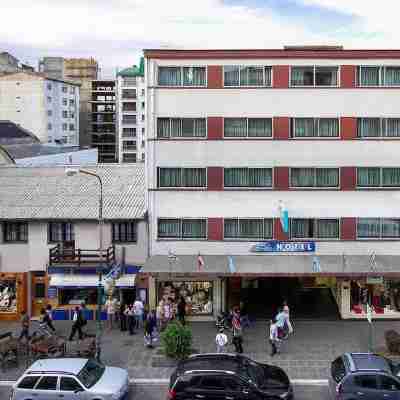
(115, 31)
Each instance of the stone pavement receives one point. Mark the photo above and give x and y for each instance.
(306, 355)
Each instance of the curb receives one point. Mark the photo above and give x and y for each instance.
(145, 381)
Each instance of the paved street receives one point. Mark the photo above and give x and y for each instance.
(158, 392)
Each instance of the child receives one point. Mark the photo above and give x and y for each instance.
(221, 341)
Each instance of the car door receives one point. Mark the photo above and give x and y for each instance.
(70, 389)
(389, 387)
(46, 388)
(25, 388)
(211, 388)
(366, 387)
(236, 389)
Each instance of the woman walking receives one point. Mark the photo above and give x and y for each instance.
(237, 332)
(130, 317)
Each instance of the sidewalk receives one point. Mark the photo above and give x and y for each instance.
(306, 355)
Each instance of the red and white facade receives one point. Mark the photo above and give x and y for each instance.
(279, 90)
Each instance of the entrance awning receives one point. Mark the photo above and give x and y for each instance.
(277, 265)
(84, 281)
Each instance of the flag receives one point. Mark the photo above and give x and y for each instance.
(316, 265)
(200, 262)
(231, 265)
(284, 217)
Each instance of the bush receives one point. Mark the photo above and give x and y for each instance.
(176, 340)
(392, 339)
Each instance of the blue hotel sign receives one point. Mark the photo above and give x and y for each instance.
(276, 246)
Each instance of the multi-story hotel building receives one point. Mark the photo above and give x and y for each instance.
(238, 137)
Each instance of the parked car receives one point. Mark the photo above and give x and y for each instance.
(228, 377)
(71, 379)
(364, 376)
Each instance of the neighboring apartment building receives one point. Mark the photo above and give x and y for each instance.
(275, 174)
(47, 107)
(131, 111)
(83, 71)
(49, 237)
(9, 63)
(103, 129)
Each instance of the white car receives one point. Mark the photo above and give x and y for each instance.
(71, 379)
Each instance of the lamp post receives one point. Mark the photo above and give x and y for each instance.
(73, 172)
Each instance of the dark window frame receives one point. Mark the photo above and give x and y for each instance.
(181, 235)
(125, 238)
(64, 229)
(23, 231)
(313, 229)
(246, 237)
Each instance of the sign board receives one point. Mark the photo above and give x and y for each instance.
(369, 313)
(276, 246)
(52, 292)
(374, 280)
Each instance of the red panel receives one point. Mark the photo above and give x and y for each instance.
(278, 232)
(215, 229)
(348, 128)
(280, 76)
(281, 128)
(281, 178)
(348, 178)
(215, 178)
(214, 77)
(215, 128)
(348, 229)
(348, 76)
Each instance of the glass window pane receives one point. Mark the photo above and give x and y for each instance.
(170, 177)
(268, 227)
(268, 74)
(69, 385)
(255, 76)
(231, 75)
(302, 76)
(260, 177)
(47, 383)
(244, 76)
(169, 228)
(231, 228)
(304, 127)
(392, 127)
(368, 177)
(28, 382)
(328, 127)
(260, 127)
(235, 127)
(176, 127)
(368, 228)
(391, 177)
(236, 177)
(392, 76)
(326, 76)
(194, 177)
(369, 76)
(301, 228)
(200, 127)
(369, 127)
(302, 177)
(194, 229)
(187, 127)
(327, 229)
(169, 76)
(194, 76)
(327, 177)
(390, 228)
(251, 228)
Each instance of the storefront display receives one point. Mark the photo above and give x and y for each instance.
(8, 296)
(77, 296)
(198, 295)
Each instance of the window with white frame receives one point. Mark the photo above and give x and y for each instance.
(65, 102)
(64, 127)
(15, 232)
(378, 177)
(248, 177)
(314, 177)
(65, 89)
(61, 232)
(309, 228)
(373, 75)
(181, 177)
(248, 228)
(378, 228)
(181, 228)
(71, 127)
(182, 76)
(129, 145)
(181, 127)
(315, 127)
(314, 76)
(129, 118)
(250, 75)
(247, 127)
(378, 127)
(71, 102)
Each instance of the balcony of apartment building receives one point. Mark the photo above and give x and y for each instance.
(102, 108)
(102, 97)
(128, 107)
(129, 158)
(129, 82)
(103, 86)
(129, 145)
(128, 132)
(128, 119)
(128, 95)
(103, 118)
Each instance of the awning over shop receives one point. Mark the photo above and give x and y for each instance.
(81, 280)
(277, 265)
(126, 281)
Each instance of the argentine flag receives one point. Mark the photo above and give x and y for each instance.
(284, 217)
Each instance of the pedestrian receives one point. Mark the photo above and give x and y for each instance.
(221, 340)
(274, 338)
(181, 310)
(110, 309)
(149, 326)
(286, 311)
(122, 317)
(25, 322)
(160, 314)
(49, 317)
(167, 314)
(138, 308)
(77, 324)
(237, 334)
(282, 324)
(130, 318)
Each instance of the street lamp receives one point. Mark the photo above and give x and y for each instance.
(73, 172)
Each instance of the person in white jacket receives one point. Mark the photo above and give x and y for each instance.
(221, 340)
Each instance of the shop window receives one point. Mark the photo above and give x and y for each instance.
(301, 228)
(8, 296)
(15, 232)
(61, 232)
(198, 295)
(123, 232)
(77, 296)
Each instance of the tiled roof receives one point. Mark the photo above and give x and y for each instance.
(48, 193)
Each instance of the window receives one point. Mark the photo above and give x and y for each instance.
(181, 127)
(143, 157)
(378, 177)
(212, 383)
(49, 113)
(72, 90)
(142, 117)
(142, 104)
(123, 232)
(315, 127)
(61, 232)
(129, 158)
(131, 81)
(247, 127)
(366, 381)
(129, 94)
(314, 76)
(71, 102)
(39, 290)
(15, 231)
(142, 144)
(235, 75)
(248, 177)
(128, 132)
(181, 177)
(72, 114)
(48, 99)
(143, 131)
(129, 106)
(378, 228)
(257, 228)
(302, 228)
(64, 127)
(28, 382)
(65, 89)
(182, 76)
(378, 76)
(182, 228)
(69, 385)
(389, 384)
(71, 127)
(378, 127)
(49, 86)
(128, 119)
(314, 177)
(142, 92)
(65, 114)
(129, 145)
(47, 383)
(65, 102)
(49, 126)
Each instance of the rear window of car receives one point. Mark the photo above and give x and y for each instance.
(338, 370)
(28, 382)
(366, 381)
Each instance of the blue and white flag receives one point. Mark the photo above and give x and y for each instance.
(284, 216)
(231, 265)
(316, 265)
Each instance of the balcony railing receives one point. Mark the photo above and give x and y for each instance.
(81, 257)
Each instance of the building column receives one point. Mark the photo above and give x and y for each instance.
(152, 292)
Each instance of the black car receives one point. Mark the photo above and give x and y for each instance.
(228, 377)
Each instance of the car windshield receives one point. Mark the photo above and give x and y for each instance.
(90, 374)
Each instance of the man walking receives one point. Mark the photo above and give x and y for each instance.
(25, 321)
(237, 332)
(138, 308)
(221, 340)
(274, 337)
(130, 317)
(77, 324)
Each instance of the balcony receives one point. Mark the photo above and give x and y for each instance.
(71, 257)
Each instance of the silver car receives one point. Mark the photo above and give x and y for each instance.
(71, 379)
